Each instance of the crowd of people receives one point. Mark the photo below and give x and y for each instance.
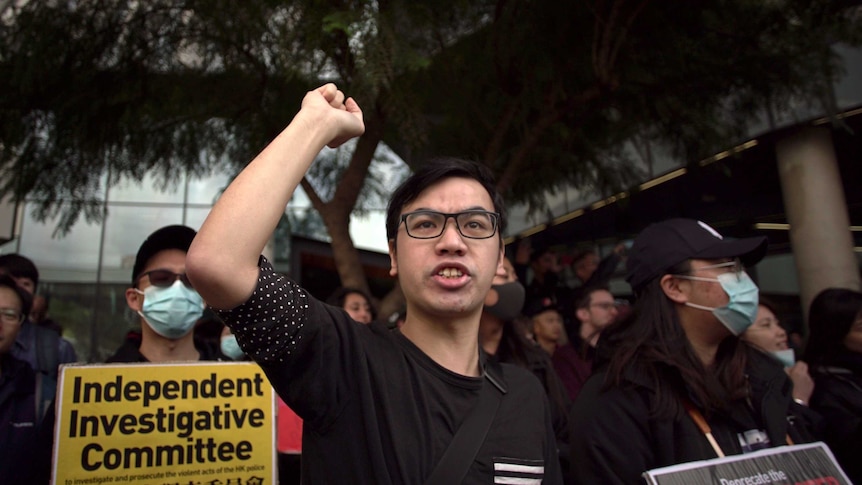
(497, 370)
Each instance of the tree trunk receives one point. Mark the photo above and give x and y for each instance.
(336, 212)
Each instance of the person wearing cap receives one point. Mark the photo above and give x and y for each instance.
(543, 265)
(164, 299)
(546, 321)
(674, 383)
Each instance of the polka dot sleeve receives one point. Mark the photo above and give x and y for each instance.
(267, 326)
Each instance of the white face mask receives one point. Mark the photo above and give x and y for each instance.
(171, 312)
(230, 348)
(741, 308)
(786, 357)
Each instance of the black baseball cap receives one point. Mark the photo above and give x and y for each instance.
(665, 244)
(168, 237)
(537, 305)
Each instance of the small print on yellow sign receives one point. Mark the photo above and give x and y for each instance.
(165, 424)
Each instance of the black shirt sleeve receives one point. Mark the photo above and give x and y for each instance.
(303, 345)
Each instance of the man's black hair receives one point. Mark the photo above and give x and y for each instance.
(435, 171)
(23, 295)
(18, 266)
(584, 296)
(168, 237)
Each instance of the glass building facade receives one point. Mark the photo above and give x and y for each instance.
(84, 273)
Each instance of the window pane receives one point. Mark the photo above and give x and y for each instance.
(127, 227)
(147, 191)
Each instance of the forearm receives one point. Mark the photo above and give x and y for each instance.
(222, 261)
(226, 250)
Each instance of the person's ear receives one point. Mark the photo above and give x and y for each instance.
(501, 268)
(583, 314)
(674, 288)
(134, 299)
(393, 261)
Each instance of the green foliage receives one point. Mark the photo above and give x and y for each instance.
(552, 96)
(548, 94)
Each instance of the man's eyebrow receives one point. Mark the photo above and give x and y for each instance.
(473, 208)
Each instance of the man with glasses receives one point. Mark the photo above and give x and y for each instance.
(674, 383)
(41, 347)
(165, 301)
(22, 442)
(380, 406)
(595, 311)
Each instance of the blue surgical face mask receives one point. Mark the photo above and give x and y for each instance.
(786, 357)
(741, 308)
(171, 312)
(230, 348)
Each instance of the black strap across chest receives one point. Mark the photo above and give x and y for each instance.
(462, 451)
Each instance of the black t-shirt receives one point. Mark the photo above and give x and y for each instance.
(376, 409)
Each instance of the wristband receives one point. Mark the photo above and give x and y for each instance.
(800, 402)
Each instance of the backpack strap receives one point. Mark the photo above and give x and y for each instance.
(471, 434)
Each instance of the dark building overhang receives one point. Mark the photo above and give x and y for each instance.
(737, 191)
(312, 266)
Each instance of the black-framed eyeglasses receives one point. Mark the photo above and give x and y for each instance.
(164, 278)
(472, 224)
(11, 316)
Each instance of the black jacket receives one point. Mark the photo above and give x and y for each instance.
(838, 398)
(24, 447)
(615, 437)
(129, 350)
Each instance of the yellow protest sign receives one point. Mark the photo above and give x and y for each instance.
(183, 423)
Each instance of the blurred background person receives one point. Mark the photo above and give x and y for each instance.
(591, 271)
(167, 305)
(39, 314)
(768, 336)
(503, 341)
(547, 323)
(23, 443)
(41, 347)
(355, 302)
(834, 354)
(573, 361)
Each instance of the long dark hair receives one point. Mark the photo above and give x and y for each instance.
(338, 297)
(515, 347)
(652, 340)
(830, 316)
